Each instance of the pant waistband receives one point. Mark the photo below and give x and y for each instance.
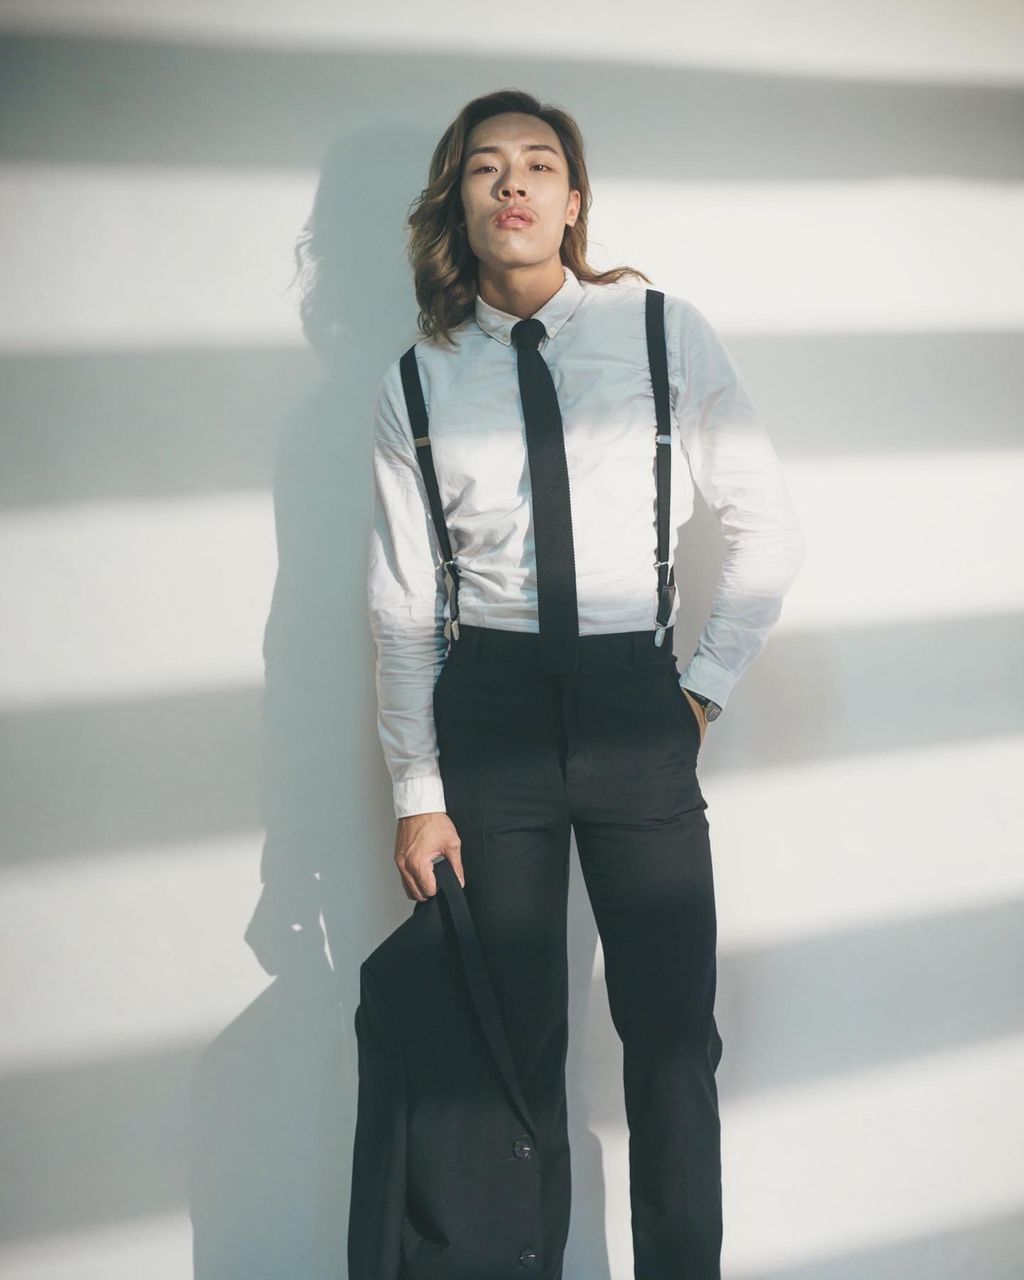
(596, 652)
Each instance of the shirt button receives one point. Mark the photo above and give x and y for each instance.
(523, 1148)
(528, 1257)
(551, 333)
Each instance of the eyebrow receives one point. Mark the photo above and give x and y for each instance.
(531, 146)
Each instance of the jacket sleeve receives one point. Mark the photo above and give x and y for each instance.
(406, 598)
(737, 471)
(377, 1206)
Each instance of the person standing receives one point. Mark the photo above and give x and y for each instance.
(533, 459)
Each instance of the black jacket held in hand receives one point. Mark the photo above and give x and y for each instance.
(446, 1171)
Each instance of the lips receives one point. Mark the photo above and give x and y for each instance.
(514, 218)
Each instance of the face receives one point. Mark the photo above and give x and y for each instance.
(516, 160)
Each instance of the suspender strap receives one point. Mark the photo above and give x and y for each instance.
(417, 410)
(657, 359)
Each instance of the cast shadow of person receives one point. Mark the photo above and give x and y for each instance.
(273, 1096)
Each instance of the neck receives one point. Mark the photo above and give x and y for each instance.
(520, 291)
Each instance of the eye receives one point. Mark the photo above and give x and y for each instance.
(536, 164)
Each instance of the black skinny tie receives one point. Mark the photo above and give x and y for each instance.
(558, 618)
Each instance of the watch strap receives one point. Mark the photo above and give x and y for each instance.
(711, 708)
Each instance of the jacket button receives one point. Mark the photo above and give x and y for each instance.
(528, 1257)
(523, 1148)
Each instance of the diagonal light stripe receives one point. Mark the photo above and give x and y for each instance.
(120, 598)
(205, 270)
(158, 1246)
(981, 41)
(152, 924)
(838, 1167)
(124, 598)
(786, 869)
(115, 954)
(907, 536)
(112, 599)
(891, 255)
(148, 258)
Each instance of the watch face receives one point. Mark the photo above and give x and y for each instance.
(712, 711)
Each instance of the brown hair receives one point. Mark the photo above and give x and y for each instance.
(444, 265)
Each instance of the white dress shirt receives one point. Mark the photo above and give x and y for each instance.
(596, 349)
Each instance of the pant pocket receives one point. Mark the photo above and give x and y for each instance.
(687, 707)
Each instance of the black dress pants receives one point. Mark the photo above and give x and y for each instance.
(609, 752)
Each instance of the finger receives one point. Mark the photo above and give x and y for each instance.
(427, 880)
(412, 889)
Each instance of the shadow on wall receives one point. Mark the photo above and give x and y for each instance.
(274, 1096)
(267, 1151)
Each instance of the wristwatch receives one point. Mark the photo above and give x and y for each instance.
(711, 709)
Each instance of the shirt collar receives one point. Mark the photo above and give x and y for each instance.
(554, 313)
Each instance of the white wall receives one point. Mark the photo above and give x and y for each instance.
(840, 188)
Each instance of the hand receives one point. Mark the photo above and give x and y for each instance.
(420, 838)
(698, 711)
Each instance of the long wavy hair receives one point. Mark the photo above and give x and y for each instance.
(444, 266)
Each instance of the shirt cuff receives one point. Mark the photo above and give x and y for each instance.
(419, 795)
(708, 678)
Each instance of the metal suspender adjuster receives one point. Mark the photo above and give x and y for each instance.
(659, 630)
(451, 624)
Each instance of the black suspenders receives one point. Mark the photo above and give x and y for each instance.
(658, 363)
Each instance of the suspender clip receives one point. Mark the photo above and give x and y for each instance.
(451, 626)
